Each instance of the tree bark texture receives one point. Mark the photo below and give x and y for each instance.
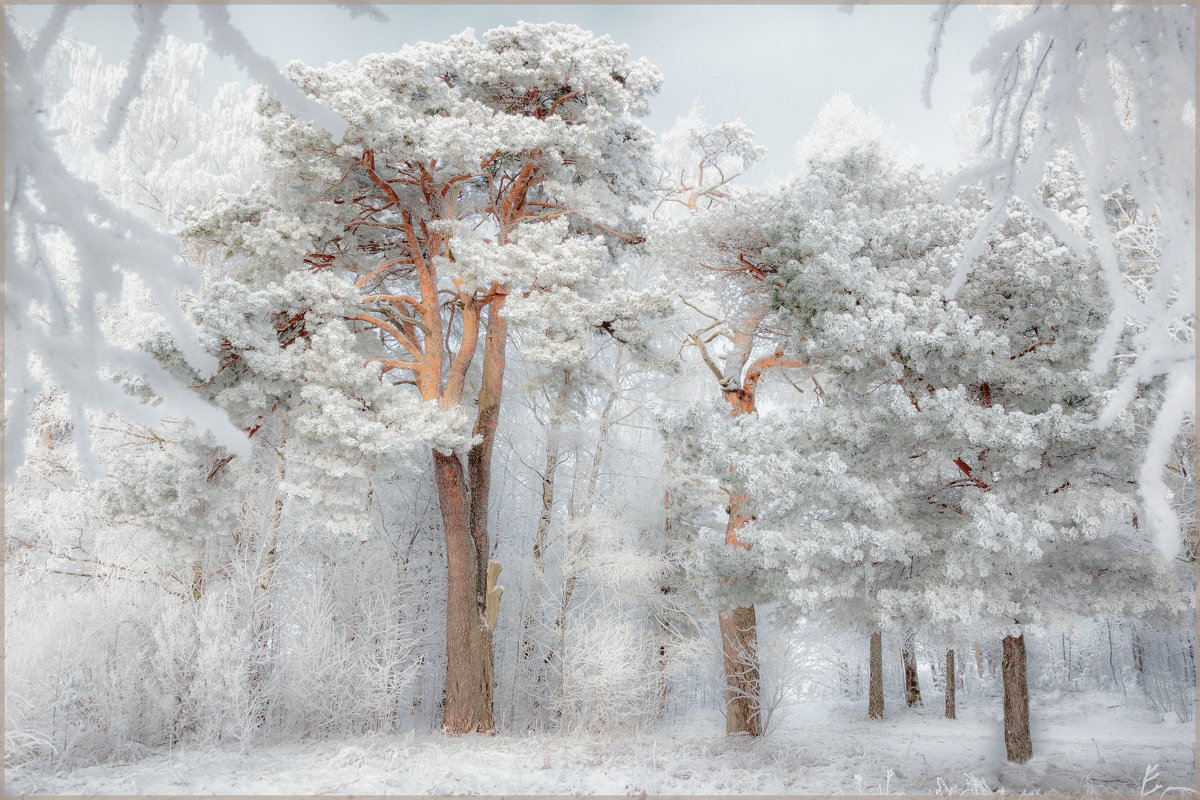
(739, 646)
(463, 499)
(468, 705)
(875, 703)
(739, 634)
(1138, 658)
(276, 507)
(1017, 741)
(950, 684)
(739, 642)
(912, 685)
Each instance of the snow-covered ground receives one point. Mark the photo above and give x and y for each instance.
(1084, 743)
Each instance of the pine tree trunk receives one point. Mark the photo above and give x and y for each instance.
(464, 505)
(912, 686)
(950, 684)
(739, 639)
(1138, 659)
(875, 704)
(739, 636)
(468, 641)
(739, 646)
(1017, 741)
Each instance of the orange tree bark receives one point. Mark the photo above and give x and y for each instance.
(463, 499)
(739, 625)
(432, 333)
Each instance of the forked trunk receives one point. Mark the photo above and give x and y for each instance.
(464, 507)
(468, 641)
(1016, 701)
(875, 703)
(950, 687)
(912, 686)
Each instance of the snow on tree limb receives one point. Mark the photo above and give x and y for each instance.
(51, 336)
(225, 39)
(150, 31)
(935, 48)
(53, 307)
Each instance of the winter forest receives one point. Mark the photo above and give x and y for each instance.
(429, 425)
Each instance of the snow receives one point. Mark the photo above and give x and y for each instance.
(305, 622)
(1084, 742)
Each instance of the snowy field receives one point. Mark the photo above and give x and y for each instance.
(1084, 743)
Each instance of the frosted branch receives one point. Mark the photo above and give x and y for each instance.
(225, 39)
(150, 31)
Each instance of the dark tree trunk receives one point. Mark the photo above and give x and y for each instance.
(950, 684)
(1016, 701)
(875, 703)
(1138, 658)
(912, 687)
(739, 640)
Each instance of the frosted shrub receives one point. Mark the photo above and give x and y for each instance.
(336, 676)
(611, 667)
(76, 672)
(607, 675)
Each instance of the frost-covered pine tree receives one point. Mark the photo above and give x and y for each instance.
(479, 184)
(707, 236)
(1114, 85)
(950, 470)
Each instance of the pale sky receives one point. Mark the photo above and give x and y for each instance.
(773, 66)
